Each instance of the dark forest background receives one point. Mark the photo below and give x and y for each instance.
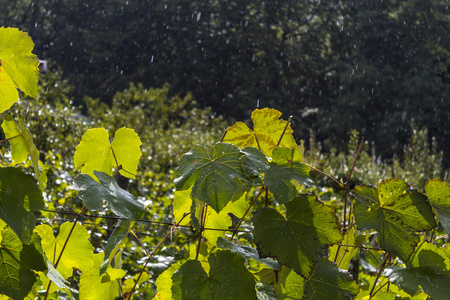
(375, 66)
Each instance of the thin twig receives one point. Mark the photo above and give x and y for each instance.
(379, 274)
(325, 174)
(243, 217)
(152, 253)
(64, 247)
(284, 130)
(5, 140)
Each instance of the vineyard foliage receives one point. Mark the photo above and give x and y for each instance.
(248, 218)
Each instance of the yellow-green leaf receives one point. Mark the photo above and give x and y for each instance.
(95, 152)
(266, 133)
(22, 145)
(78, 253)
(18, 66)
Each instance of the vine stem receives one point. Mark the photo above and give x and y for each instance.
(11, 138)
(248, 209)
(284, 130)
(347, 185)
(324, 174)
(64, 246)
(150, 255)
(202, 226)
(371, 294)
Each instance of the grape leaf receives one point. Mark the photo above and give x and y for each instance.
(114, 242)
(121, 202)
(60, 282)
(396, 211)
(100, 286)
(301, 238)
(327, 281)
(78, 252)
(215, 180)
(22, 145)
(164, 283)
(16, 277)
(18, 66)
(228, 279)
(223, 220)
(278, 173)
(96, 153)
(345, 254)
(268, 130)
(181, 204)
(18, 195)
(247, 252)
(428, 267)
(439, 194)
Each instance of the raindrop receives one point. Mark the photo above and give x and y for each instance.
(199, 15)
(151, 59)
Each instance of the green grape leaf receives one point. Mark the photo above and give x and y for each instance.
(18, 195)
(247, 252)
(100, 286)
(228, 279)
(278, 173)
(215, 180)
(16, 276)
(396, 211)
(327, 281)
(345, 254)
(78, 253)
(18, 66)
(32, 255)
(164, 283)
(300, 239)
(22, 145)
(428, 268)
(96, 153)
(268, 130)
(439, 194)
(93, 193)
(114, 242)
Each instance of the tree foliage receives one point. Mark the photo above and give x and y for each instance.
(275, 228)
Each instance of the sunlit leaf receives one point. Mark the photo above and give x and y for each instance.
(215, 180)
(396, 211)
(18, 66)
(60, 282)
(182, 204)
(18, 195)
(100, 286)
(164, 283)
(227, 279)
(439, 194)
(345, 253)
(78, 252)
(327, 281)
(266, 133)
(95, 153)
(300, 239)
(22, 145)
(278, 173)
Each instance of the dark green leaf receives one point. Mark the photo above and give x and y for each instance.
(396, 211)
(301, 238)
(32, 255)
(278, 173)
(327, 281)
(215, 180)
(16, 277)
(18, 195)
(120, 201)
(114, 242)
(247, 252)
(228, 279)
(439, 194)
